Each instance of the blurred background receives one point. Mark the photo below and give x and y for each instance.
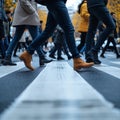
(113, 6)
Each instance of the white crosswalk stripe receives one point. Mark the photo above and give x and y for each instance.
(114, 71)
(5, 70)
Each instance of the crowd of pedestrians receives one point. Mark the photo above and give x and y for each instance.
(60, 28)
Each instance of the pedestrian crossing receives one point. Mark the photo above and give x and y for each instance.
(60, 93)
(111, 70)
(5, 70)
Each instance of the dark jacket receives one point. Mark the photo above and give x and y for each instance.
(93, 3)
(43, 2)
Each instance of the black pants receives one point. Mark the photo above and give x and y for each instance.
(110, 39)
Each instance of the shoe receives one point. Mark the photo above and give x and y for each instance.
(89, 60)
(44, 60)
(94, 56)
(60, 58)
(15, 55)
(102, 56)
(26, 58)
(79, 63)
(69, 57)
(8, 61)
(52, 56)
(118, 56)
(97, 62)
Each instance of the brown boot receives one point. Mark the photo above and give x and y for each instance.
(79, 63)
(26, 58)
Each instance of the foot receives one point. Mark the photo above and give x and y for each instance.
(97, 62)
(102, 56)
(52, 56)
(8, 62)
(89, 60)
(79, 63)
(26, 58)
(69, 57)
(60, 58)
(94, 56)
(15, 55)
(44, 60)
(118, 56)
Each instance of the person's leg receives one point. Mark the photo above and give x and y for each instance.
(114, 46)
(59, 10)
(18, 33)
(39, 40)
(52, 52)
(82, 42)
(93, 23)
(42, 37)
(65, 48)
(59, 52)
(58, 14)
(15, 50)
(2, 48)
(6, 43)
(34, 31)
(103, 14)
(105, 48)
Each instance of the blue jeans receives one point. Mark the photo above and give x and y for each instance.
(58, 14)
(34, 31)
(97, 14)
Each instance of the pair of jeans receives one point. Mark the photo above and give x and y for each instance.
(58, 14)
(97, 14)
(34, 31)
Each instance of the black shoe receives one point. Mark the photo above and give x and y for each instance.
(69, 57)
(44, 60)
(102, 56)
(8, 62)
(60, 58)
(52, 56)
(15, 55)
(89, 60)
(118, 56)
(97, 62)
(94, 56)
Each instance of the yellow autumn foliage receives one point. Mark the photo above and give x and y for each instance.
(114, 6)
(10, 4)
(43, 17)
